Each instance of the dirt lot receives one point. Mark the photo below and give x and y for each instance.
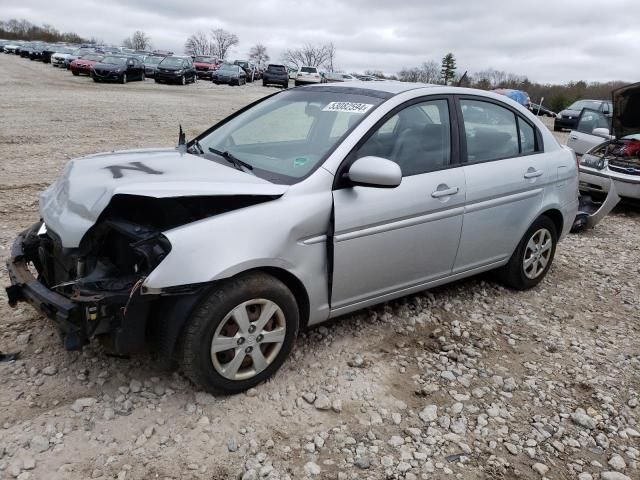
(470, 381)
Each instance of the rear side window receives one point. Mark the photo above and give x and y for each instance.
(494, 132)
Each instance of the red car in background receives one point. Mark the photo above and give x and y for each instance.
(205, 66)
(84, 63)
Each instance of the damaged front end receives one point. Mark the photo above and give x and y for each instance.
(611, 169)
(97, 288)
(92, 290)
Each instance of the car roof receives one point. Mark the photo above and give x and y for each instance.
(390, 87)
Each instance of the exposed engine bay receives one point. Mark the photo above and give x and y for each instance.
(621, 156)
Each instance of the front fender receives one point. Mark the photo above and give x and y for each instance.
(288, 233)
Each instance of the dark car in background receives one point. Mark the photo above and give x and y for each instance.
(229, 74)
(276, 75)
(151, 65)
(252, 72)
(36, 52)
(83, 64)
(205, 66)
(541, 111)
(568, 118)
(25, 50)
(176, 70)
(118, 68)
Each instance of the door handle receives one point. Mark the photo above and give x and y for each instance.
(531, 173)
(573, 137)
(445, 191)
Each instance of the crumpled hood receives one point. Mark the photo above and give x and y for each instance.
(626, 110)
(73, 203)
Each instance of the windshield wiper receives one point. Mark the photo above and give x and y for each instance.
(235, 161)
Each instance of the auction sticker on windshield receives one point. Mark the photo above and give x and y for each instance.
(349, 107)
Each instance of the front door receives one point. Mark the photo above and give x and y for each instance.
(389, 240)
(505, 172)
(582, 138)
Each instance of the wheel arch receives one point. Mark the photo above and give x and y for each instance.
(296, 286)
(174, 311)
(556, 217)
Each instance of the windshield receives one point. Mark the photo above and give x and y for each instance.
(204, 60)
(114, 60)
(287, 136)
(171, 62)
(153, 60)
(64, 50)
(227, 67)
(580, 104)
(92, 57)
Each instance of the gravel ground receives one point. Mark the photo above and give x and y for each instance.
(468, 381)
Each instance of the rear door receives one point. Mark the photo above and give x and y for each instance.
(582, 139)
(505, 173)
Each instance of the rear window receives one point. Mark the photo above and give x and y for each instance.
(309, 70)
(276, 68)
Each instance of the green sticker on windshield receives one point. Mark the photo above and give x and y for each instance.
(299, 162)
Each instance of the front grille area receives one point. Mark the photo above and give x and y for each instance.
(624, 167)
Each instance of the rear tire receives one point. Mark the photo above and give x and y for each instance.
(241, 314)
(557, 129)
(533, 256)
(75, 73)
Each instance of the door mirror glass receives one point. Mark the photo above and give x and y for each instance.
(375, 172)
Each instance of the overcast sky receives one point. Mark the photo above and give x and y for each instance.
(548, 40)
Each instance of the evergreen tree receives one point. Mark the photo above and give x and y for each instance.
(448, 70)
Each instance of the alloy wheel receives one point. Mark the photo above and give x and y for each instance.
(537, 253)
(248, 339)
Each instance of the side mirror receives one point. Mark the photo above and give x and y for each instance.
(375, 172)
(602, 132)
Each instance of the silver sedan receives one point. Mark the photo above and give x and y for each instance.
(308, 204)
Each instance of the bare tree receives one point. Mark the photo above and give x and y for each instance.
(199, 44)
(310, 55)
(428, 72)
(258, 54)
(331, 55)
(222, 41)
(138, 41)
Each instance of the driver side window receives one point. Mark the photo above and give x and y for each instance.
(417, 138)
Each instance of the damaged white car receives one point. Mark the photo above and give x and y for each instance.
(610, 147)
(303, 206)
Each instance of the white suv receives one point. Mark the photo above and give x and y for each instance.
(307, 75)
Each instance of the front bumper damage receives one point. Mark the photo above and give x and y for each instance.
(80, 311)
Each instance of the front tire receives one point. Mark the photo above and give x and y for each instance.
(123, 79)
(533, 257)
(183, 80)
(240, 334)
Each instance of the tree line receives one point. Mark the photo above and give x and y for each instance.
(556, 96)
(24, 30)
